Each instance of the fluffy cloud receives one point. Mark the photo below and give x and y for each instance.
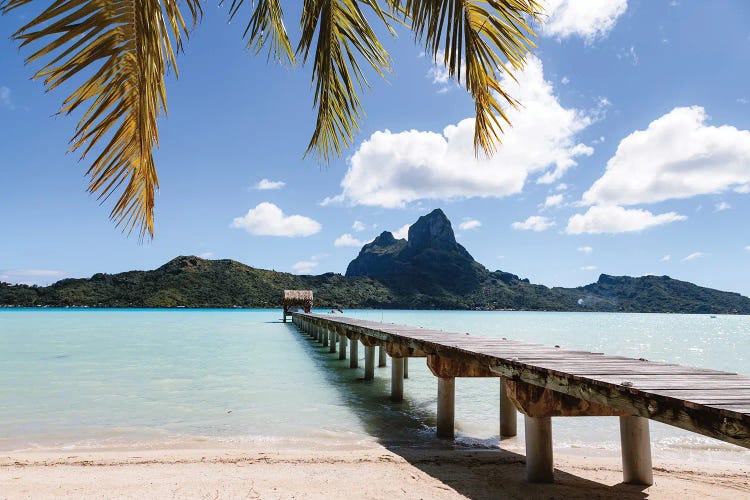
(677, 156)
(5, 97)
(534, 223)
(206, 255)
(469, 224)
(347, 240)
(588, 19)
(693, 256)
(613, 219)
(268, 220)
(554, 200)
(265, 185)
(402, 233)
(358, 226)
(588, 268)
(30, 276)
(392, 169)
(666, 258)
(587, 250)
(304, 266)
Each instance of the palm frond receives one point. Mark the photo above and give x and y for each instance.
(266, 26)
(122, 50)
(476, 33)
(343, 36)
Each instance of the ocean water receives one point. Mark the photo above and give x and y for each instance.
(89, 379)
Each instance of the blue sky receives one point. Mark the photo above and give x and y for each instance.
(631, 155)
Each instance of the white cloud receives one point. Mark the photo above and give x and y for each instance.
(5, 97)
(677, 156)
(440, 76)
(720, 207)
(565, 80)
(347, 240)
(402, 233)
(561, 187)
(267, 219)
(304, 266)
(534, 223)
(693, 256)
(469, 224)
(588, 19)
(613, 219)
(30, 276)
(554, 200)
(392, 169)
(588, 268)
(206, 255)
(747, 248)
(265, 185)
(742, 100)
(587, 249)
(629, 54)
(666, 258)
(358, 226)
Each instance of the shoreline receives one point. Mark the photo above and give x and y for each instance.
(376, 471)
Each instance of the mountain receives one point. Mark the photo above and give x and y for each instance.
(430, 261)
(429, 270)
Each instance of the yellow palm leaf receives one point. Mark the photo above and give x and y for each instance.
(476, 33)
(122, 50)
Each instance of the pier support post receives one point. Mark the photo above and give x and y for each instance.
(539, 463)
(318, 333)
(508, 414)
(406, 367)
(354, 354)
(342, 346)
(446, 407)
(397, 379)
(331, 341)
(381, 356)
(635, 442)
(369, 363)
(326, 336)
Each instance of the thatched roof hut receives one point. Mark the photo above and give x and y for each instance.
(297, 298)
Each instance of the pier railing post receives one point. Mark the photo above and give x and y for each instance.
(369, 363)
(635, 443)
(539, 461)
(354, 353)
(397, 379)
(342, 346)
(446, 407)
(381, 356)
(324, 334)
(508, 413)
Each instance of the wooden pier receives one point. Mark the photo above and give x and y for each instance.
(544, 382)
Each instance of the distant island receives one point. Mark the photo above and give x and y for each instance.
(429, 270)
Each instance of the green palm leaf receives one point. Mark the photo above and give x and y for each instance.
(266, 26)
(122, 50)
(344, 36)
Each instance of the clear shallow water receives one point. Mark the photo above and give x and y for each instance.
(107, 378)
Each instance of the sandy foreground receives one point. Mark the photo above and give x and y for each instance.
(375, 472)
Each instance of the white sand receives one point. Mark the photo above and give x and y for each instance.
(374, 472)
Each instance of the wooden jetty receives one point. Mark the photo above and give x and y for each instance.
(544, 382)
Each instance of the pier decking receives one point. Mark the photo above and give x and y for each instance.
(543, 382)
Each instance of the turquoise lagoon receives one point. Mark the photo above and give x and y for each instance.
(89, 379)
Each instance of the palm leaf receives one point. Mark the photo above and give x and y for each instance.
(343, 37)
(266, 26)
(476, 33)
(121, 49)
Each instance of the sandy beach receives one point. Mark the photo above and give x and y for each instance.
(375, 472)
